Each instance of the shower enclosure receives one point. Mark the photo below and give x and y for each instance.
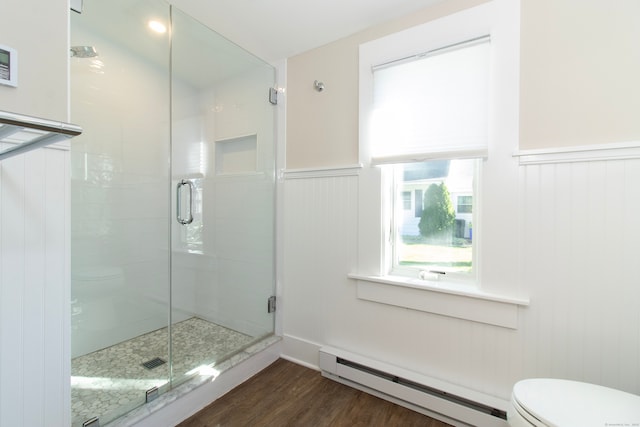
(172, 216)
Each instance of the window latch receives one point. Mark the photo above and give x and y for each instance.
(433, 275)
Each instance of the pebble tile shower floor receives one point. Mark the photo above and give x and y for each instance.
(107, 380)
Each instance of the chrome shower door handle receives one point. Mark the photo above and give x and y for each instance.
(189, 219)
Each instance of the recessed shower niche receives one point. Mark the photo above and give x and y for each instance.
(237, 155)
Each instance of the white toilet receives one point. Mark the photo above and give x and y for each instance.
(563, 403)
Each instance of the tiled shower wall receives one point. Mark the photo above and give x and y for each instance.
(122, 197)
(120, 202)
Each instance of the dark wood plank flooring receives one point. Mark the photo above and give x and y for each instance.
(287, 394)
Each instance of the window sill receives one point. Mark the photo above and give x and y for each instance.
(441, 298)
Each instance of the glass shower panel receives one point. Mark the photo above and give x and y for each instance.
(172, 192)
(120, 206)
(223, 183)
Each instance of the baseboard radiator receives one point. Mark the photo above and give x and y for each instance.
(440, 400)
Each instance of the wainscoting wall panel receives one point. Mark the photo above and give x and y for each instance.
(579, 238)
(34, 298)
(580, 245)
(319, 236)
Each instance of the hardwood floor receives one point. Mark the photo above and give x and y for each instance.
(287, 394)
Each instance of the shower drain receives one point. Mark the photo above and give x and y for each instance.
(153, 363)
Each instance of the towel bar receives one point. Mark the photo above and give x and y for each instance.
(20, 133)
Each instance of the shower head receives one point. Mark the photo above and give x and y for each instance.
(84, 51)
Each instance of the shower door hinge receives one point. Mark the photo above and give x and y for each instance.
(271, 304)
(76, 5)
(273, 95)
(91, 422)
(151, 394)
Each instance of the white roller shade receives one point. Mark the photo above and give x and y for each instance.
(433, 105)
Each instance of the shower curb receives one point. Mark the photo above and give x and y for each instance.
(185, 400)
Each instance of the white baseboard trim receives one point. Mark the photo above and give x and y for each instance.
(301, 351)
(300, 362)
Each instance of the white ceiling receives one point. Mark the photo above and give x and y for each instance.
(278, 29)
(269, 29)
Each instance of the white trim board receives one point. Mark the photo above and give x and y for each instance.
(474, 306)
(348, 170)
(583, 153)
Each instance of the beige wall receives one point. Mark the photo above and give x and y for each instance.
(579, 64)
(38, 30)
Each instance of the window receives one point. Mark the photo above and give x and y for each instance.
(465, 204)
(440, 237)
(418, 203)
(406, 200)
(444, 94)
(432, 105)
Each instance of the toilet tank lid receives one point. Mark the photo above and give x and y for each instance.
(564, 403)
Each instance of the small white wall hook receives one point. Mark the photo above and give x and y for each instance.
(319, 86)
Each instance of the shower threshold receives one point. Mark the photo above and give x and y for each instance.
(113, 381)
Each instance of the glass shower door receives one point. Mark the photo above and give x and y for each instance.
(223, 186)
(120, 236)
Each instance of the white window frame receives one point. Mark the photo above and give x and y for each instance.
(495, 297)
